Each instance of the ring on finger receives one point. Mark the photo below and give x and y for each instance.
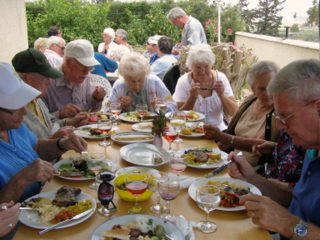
(10, 225)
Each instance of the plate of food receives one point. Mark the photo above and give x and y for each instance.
(94, 117)
(132, 137)
(231, 190)
(82, 168)
(133, 117)
(191, 116)
(192, 130)
(134, 169)
(53, 207)
(144, 154)
(91, 131)
(145, 127)
(203, 157)
(138, 226)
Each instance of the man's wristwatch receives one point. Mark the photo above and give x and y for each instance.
(300, 230)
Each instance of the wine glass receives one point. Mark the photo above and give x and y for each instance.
(105, 194)
(169, 189)
(97, 181)
(157, 207)
(160, 105)
(208, 199)
(178, 121)
(142, 110)
(136, 184)
(170, 134)
(115, 109)
(105, 127)
(177, 164)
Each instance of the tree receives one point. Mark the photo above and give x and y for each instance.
(247, 15)
(313, 13)
(266, 16)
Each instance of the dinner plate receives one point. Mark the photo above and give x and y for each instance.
(200, 116)
(84, 131)
(193, 135)
(203, 181)
(144, 154)
(224, 157)
(132, 117)
(110, 164)
(132, 137)
(171, 230)
(145, 127)
(31, 218)
(143, 170)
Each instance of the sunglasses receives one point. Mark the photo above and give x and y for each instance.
(62, 48)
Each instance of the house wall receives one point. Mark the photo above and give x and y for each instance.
(281, 51)
(13, 28)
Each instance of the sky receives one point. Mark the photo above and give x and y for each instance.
(289, 8)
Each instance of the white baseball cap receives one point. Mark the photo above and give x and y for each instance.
(14, 93)
(82, 50)
(154, 39)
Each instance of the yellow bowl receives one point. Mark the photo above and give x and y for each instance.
(128, 196)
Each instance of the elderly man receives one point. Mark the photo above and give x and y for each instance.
(295, 90)
(193, 32)
(73, 92)
(34, 69)
(21, 169)
(152, 49)
(55, 50)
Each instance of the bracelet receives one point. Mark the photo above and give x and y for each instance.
(232, 140)
(58, 144)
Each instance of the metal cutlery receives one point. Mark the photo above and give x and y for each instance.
(66, 221)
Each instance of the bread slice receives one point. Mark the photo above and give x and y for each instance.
(122, 234)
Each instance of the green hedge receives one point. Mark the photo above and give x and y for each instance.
(79, 19)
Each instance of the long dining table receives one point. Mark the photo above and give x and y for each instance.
(231, 225)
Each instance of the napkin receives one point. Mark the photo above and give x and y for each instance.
(185, 181)
(185, 226)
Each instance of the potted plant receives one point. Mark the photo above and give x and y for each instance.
(159, 123)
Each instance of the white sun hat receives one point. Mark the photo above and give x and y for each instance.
(82, 50)
(14, 93)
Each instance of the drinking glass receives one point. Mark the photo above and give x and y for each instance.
(157, 207)
(170, 134)
(208, 199)
(178, 121)
(177, 164)
(136, 184)
(142, 110)
(115, 109)
(105, 127)
(169, 189)
(96, 183)
(160, 105)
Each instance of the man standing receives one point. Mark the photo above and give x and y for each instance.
(55, 50)
(34, 69)
(193, 32)
(73, 92)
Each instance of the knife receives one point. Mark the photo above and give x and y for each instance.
(222, 167)
(76, 217)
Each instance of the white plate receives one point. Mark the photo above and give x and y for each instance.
(171, 230)
(82, 132)
(31, 218)
(145, 127)
(143, 154)
(193, 135)
(224, 157)
(201, 116)
(203, 181)
(133, 119)
(117, 137)
(108, 162)
(146, 170)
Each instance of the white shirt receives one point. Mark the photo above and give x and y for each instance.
(54, 58)
(112, 48)
(210, 106)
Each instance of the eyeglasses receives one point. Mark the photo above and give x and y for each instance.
(284, 120)
(11, 112)
(62, 48)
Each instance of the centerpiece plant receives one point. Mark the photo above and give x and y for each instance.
(159, 124)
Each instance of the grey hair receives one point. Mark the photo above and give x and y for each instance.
(300, 79)
(200, 53)
(123, 33)
(55, 40)
(41, 44)
(261, 68)
(134, 65)
(176, 12)
(110, 32)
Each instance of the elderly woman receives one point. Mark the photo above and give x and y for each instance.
(253, 121)
(41, 44)
(203, 89)
(122, 38)
(108, 46)
(137, 86)
(21, 168)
